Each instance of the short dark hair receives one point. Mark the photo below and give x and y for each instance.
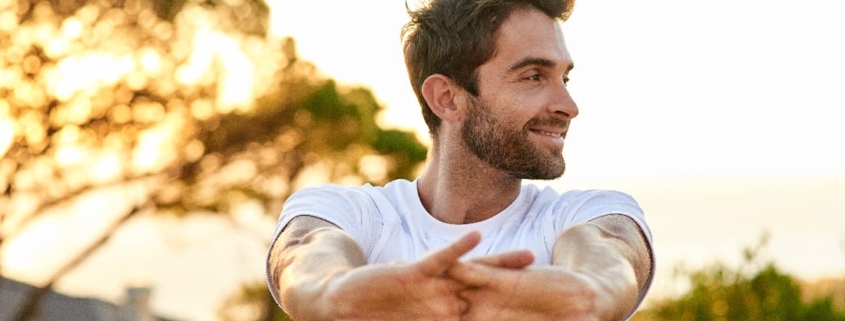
(455, 37)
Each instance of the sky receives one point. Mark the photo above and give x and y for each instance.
(722, 118)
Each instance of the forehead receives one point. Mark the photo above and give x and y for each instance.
(529, 33)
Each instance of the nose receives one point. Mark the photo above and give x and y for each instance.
(562, 102)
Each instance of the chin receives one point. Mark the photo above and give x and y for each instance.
(549, 177)
(544, 174)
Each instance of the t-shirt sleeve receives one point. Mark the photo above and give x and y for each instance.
(575, 207)
(583, 206)
(349, 208)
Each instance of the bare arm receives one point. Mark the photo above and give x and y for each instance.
(611, 255)
(595, 271)
(308, 251)
(320, 273)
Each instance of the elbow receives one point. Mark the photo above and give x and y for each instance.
(274, 267)
(604, 263)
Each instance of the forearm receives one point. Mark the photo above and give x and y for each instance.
(604, 261)
(302, 264)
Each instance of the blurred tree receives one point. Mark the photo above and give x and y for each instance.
(185, 105)
(719, 293)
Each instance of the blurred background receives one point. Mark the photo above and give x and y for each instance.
(148, 145)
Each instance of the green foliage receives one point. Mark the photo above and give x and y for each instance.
(720, 293)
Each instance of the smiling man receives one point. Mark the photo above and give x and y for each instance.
(468, 240)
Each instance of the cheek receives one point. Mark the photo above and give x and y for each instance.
(516, 116)
(509, 108)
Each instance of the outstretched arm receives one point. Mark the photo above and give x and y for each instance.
(597, 269)
(319, 273)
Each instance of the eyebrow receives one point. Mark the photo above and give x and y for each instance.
(535, 61)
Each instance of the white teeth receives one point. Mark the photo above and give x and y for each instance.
(548, 134)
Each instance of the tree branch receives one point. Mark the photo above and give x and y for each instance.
(43, 207)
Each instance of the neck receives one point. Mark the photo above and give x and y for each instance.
(459, 188)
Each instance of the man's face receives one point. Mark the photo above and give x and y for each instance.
(510, 149)
(518, 122)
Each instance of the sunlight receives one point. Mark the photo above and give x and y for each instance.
(78, 73)
(7, 128)
(68, 149)
(7, 135)
(26, 92)
(77, 111)
(146, 153)
(72, 27)
(202, 109)
(155, 145)
(8, 21)
(106, 167)
(374, 167)
(151, 153)
(67, 155)
(237, 72)
(150, 61)
(312, 175)
(199, 62)
(24, 256)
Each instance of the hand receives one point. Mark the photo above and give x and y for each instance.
(401, 291)
(537, 293)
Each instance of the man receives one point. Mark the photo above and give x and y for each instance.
(467, 240)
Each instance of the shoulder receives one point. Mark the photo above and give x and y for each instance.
(597, 196)
(365, 195)
(581, 205)
(330, 192)
(590, 197)
(396, 189)
(328, 199)
(548, 195)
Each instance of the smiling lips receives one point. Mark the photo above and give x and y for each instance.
(550, 134)
(550, 131)
(554, 135)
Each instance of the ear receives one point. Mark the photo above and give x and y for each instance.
(443, 97)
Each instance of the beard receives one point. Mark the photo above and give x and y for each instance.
(512, 151)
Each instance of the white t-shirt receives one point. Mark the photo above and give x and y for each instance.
(390, 222)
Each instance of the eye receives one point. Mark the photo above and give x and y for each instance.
(565, 80)
(534, 77)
